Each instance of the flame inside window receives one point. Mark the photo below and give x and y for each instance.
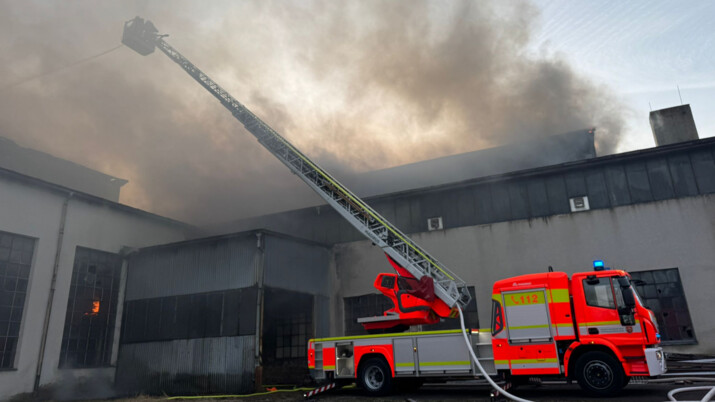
(95, 308)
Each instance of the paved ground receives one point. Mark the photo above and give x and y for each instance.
(550, 392)
(441, 392)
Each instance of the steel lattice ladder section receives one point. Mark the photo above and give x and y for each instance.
(397, 245)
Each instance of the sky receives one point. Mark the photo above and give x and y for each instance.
(643, 50)
(357, 86)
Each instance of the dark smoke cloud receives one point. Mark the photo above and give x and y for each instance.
(357, 85)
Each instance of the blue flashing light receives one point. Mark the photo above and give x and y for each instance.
(598, 265)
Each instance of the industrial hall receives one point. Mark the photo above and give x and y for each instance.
(97, 294)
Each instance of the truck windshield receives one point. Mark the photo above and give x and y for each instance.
(625, 313)
(638, 297)
(620, 283)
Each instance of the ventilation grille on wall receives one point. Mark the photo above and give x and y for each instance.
(579, 204)
(434, 223)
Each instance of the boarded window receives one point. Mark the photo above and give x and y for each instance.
(662, 291)
(15, 260)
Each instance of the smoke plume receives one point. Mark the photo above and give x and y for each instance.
(356, 85)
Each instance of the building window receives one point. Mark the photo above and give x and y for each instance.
(287, 326)
(662, 291)
(370, 305)
(292, 336)
(91, 309)
(15, 260)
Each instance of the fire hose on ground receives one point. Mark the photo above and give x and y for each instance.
(479, 365)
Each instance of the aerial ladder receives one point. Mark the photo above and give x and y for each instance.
(422, 290)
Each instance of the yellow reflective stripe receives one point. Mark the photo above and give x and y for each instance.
(524, 298)
(328, 367)
(559, 296)
(496, 297)
(357, 201)
(501, 361)
(568, 324)
(527, 361)
(454, 363)
(340, 338)
(598, 323)
(405, 364)
(529, 326)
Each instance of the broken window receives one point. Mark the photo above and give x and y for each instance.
(662, 292)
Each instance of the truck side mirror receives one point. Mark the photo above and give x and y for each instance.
(628, 298)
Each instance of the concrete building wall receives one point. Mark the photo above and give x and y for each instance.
(32, 210)
(664, 234)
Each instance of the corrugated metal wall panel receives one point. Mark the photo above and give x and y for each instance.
(597, 190)
(291, 265)
(638, 182)
(220, 264)
(682, 173)
(187, 367)
(659, 177)
(640, 178)
(704, 168)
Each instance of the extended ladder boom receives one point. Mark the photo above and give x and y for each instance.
(143, 37)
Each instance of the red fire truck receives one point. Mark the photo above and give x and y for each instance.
(592, 328)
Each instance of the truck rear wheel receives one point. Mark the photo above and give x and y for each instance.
(600, 373)
(375, 376)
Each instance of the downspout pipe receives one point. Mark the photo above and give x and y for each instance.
(51, 294)
(260, 246)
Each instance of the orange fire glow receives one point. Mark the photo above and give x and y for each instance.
(95, 308)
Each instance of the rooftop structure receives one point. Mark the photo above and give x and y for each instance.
(59, 171)
(672, 125)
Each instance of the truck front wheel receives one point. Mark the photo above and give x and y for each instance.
(600, 373)
(375, 376)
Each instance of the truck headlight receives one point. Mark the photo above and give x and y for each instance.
(659, 355)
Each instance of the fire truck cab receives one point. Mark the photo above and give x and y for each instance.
(592, 328)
